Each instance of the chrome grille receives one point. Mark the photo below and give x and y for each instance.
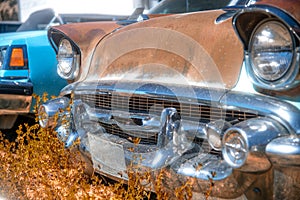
(143, 104)
(115, 130)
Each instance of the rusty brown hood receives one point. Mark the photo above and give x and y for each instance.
(179, 49)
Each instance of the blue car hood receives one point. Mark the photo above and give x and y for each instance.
(20, 37)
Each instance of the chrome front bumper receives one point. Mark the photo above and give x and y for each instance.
(240, 159)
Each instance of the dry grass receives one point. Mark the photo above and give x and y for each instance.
(37, 166)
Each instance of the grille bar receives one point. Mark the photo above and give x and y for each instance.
(150, 105)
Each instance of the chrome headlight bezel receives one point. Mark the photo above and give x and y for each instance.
(68, 60)
(270, 64)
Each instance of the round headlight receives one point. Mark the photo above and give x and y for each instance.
(271, 51)
(67, 59)
(235, 148)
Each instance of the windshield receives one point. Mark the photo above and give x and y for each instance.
(43, 19)
(38, 20)
(182, 6)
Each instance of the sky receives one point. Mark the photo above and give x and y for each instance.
(94, 6)
(117, 7)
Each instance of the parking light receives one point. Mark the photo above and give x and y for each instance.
(17, 57)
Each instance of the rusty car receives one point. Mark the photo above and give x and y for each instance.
(207, 97)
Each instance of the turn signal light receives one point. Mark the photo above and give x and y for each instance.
(17, 58)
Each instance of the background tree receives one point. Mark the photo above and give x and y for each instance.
(8, 10)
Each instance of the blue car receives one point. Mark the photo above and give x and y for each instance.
(28, 63)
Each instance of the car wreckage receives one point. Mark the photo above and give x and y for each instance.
(217, 89)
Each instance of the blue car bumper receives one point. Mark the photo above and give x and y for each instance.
(15, 97)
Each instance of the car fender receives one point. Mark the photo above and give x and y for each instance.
(78, 33)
